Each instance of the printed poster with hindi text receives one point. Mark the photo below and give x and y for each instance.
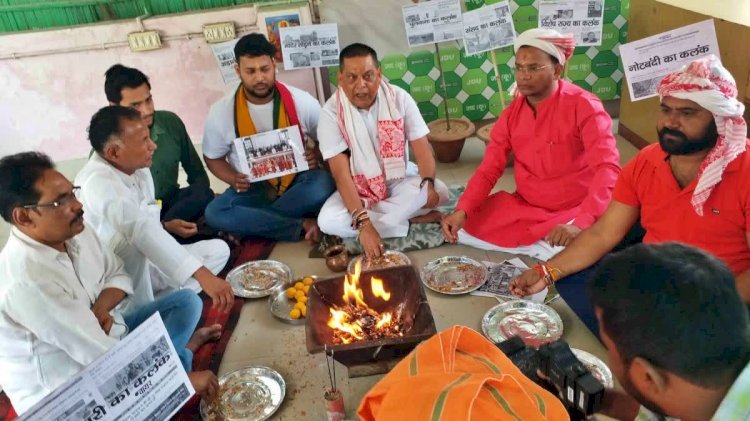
(582, 18)
(648, 60)
(273, 24)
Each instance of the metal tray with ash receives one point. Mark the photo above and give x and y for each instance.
(370, 327)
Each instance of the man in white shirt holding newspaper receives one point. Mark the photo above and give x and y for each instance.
(62, 292)
(117, 191)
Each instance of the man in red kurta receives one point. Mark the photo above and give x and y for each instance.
(693, 187)
(566, 160)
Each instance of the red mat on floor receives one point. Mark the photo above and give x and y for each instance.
(209, 356)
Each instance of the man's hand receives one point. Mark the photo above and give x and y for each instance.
(562, 235)
(432, 197)
(104, 318)
(218, 289)
(451, 224)
(204, 382)
(181, 227)
(241, 182)
(529, 282)
(371, 242)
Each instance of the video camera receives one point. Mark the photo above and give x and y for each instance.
(580, 391)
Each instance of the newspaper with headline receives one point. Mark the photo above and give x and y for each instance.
(488, 28)
(224, 54)
(310, 46)
(648, 60)
(140, 378)
(432, 21)
(582, 18)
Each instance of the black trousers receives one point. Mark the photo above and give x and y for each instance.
(188, 204)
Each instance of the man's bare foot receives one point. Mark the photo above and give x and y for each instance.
(432, 217)
(311, 229)
(203, 335)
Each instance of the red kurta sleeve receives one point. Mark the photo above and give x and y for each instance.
(491, 169)
(601, 154)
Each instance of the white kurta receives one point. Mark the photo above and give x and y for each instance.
(47, 329)
(405, 200)
(125, 215)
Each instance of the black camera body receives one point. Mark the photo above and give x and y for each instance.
(580, 391)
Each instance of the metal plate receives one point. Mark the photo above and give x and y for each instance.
(453, 275)
(250, 393)
(281, 305)
(257, 279)
(595, 366)
(390, 258)
(535, 323)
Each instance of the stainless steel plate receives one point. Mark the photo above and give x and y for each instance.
(535, 323)
(595, 366)
(389, 259)
(257, 279)
(453, 275)
(281, 305)
(251, 393)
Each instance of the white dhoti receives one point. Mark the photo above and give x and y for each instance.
(214, 255)
(389, 216)
(541, 250)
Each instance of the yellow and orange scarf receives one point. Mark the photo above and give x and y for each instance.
(284, 115)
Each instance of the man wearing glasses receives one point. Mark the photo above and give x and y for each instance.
(64, 297)
(363, 133)
(566, 160)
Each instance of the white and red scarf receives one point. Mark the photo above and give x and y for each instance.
(365, 161)
(707, 83)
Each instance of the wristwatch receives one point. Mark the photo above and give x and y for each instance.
(430, 180)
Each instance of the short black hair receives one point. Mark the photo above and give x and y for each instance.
(118, 77)
(18, 174)
(358, 50)
(675, 306)
(254, 45)
(105, 123)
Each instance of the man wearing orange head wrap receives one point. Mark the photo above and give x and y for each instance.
(692, 187)
(565, 154)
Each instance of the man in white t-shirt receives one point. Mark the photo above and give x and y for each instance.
(282, 208)
(363, 133)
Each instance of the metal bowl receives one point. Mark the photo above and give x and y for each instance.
(596, 366)
(259, 278)
(250, 393)
(280, 305)
(454, 275)
(388, 257)
(535, 323)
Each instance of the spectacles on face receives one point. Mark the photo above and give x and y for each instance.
(531, 70)
(64, 200)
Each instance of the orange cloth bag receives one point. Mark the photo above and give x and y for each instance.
(458, 375)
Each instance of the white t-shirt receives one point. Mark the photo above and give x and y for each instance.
(219, 133)
(331, 140)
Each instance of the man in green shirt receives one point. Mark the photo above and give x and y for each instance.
(181, 207)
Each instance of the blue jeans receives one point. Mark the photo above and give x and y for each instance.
(573, 290)
(257, 212)
(180, 311)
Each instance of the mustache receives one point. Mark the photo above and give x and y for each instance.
(672, 132)
(79, 217)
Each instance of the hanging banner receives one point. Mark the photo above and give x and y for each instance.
(581, 18)
(224, 54)
(488, 28)
(310, 46)
(648, 60)
(433, 21)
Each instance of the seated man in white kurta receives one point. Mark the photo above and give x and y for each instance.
(363, 132)
(118, 195)
(62, 293)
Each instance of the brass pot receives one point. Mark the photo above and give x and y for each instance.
(337, 258)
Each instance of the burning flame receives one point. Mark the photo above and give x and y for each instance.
(356, 318)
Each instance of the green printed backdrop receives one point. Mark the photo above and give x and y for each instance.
(470, 79)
